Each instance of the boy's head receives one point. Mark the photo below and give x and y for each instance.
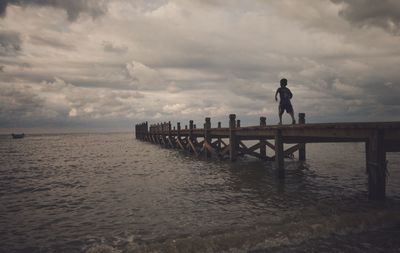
(283, 82)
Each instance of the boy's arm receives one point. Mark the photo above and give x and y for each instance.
(290, 94)
(276, 94)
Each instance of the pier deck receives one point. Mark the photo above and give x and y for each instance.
(228, 142)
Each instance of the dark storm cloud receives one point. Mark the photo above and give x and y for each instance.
(73, 8)
(10, 43)
(384, 13)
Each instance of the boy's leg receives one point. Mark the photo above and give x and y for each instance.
(280, 114)
(293, 119)
(291, 112)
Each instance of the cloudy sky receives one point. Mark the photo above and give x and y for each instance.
(107, 64)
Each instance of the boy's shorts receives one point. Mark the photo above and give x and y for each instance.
(286, 107)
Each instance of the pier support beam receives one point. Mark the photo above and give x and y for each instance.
(376, 162)
(263, 147)
(207, 137)
(279, 155)
(219, 139)
(232, 137)
(302, 146)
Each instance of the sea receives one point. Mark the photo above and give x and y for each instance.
(108, 192)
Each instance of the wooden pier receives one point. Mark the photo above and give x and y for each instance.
(228, 142)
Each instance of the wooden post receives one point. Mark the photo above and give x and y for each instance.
(263, 148)
(366, 156)
(178, 134)
(162, 136)
(279, 154)
(232, 137)
(376, 166)
(238, 123)
(219, 139)
(136, 131)
(302, 146)
(171, 143)
(207, 137)
(191, 130)
(146, 125)
(190, 137)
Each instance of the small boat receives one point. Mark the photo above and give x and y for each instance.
(18, 136)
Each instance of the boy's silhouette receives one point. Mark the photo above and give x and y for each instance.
(284, 101)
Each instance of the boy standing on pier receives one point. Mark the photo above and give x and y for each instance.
(284, 101)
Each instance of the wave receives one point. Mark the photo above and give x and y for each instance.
(268, 237)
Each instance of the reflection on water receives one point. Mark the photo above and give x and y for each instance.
(74, 192)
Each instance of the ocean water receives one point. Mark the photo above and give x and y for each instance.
(112, 193)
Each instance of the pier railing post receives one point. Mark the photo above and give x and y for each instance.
(219, 139)
(178, 134)
(263, 147)
(279, 154)
(302, 146)
(170, 139)
(162, 134)
(191, 130)
(376, 166)
(207, 137)
(190, 138)
(146, 134)
(232, 137)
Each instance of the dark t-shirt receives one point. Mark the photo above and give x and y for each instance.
(285, 95)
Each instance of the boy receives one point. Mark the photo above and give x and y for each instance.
(284, 101)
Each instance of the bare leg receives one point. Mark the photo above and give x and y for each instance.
(292, 115)
(280, 115)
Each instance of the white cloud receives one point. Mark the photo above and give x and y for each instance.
(170, 60)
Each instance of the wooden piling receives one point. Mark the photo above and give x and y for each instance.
(178, 136)
(219, 139)
(191, 129)
(207, 137)
(263, 147)
(376, 166)
(279, 154)
(171, 140)
(191, 139)
(232, 137)
(302, 146)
